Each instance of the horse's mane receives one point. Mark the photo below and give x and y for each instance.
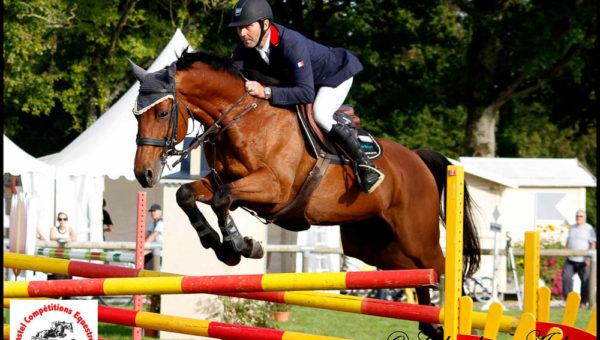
(217, 62)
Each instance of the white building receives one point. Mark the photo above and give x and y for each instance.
(529, 194)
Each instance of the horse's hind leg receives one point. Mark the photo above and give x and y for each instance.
(187, 195)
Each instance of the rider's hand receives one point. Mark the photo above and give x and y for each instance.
(255, 89)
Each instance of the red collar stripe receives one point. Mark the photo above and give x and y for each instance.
(274, 36)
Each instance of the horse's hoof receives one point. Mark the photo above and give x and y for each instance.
(230, 259)
(233, 261)
(252, 248)
(433, 332)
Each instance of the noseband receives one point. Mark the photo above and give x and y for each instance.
(170, 140)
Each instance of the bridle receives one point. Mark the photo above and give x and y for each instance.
(209, 135)
(170, 140)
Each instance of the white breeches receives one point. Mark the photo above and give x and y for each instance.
(327, 101)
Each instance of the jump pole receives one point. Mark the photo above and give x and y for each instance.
(81, 254)
(455, 182)
(221, 284)
(138, 300)
(532, 272)
(338, 302)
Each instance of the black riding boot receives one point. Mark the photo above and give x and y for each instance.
(368, 175)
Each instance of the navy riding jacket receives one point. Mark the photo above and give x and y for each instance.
(301, 64)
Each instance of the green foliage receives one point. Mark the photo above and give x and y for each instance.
(427, 64)
(248, 312)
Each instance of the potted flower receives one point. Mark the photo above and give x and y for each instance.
(282, 312)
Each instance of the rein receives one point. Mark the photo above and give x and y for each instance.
(205, 137)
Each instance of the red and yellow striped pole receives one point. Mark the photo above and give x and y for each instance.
(222, 283)
(336, 302)
(189, 326)
(74, 268)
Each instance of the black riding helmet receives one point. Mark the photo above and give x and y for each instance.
(246, 12)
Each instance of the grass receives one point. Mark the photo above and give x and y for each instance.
(356, 326)
(343, 325)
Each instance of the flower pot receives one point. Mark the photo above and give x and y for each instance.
(150, 333)
(281, 316)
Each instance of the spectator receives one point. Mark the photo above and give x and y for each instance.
(62, 233)
(581, 237)
(106, 221)
(154, 233)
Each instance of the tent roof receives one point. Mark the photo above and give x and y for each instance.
(17, 161)
(535, 172)
(108, 147)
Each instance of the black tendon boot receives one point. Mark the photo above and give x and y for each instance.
(368, 175)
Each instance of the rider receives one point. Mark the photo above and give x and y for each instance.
(309, 72)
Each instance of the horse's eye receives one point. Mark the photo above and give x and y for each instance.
(163, 114)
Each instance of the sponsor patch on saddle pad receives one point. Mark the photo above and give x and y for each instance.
(154, 88)
(368, 144)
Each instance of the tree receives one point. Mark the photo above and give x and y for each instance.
(65, 60)
(516, 48)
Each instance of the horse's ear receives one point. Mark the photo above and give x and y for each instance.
(139, 72)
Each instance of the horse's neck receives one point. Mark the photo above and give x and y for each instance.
(212, 92)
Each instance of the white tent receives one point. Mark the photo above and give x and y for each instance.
(18, 162)
(37, 183)
(107, 148)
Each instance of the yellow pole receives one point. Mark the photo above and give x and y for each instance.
(544, 296)
(465, 317)
(571, 309)
(526, 327)
(532, 272)
(591, 327)
(454, 249)
(493, 321)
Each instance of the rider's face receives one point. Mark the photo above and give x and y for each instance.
(249, 34)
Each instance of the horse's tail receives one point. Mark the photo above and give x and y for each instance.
(437, 164)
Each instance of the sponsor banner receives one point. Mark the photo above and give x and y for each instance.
(53, 319)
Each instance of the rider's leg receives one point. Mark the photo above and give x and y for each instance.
(327, 100)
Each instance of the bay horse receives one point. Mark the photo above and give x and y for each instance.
(259, 161)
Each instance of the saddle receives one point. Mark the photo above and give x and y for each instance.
(318, 144)
(293, 215)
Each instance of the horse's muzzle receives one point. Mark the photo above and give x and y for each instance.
(147, 177)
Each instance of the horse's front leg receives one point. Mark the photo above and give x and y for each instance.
(259, 187)
(202, 191)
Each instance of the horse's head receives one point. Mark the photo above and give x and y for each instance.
(160, 126)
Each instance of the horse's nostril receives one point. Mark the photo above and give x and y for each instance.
(148, 175)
